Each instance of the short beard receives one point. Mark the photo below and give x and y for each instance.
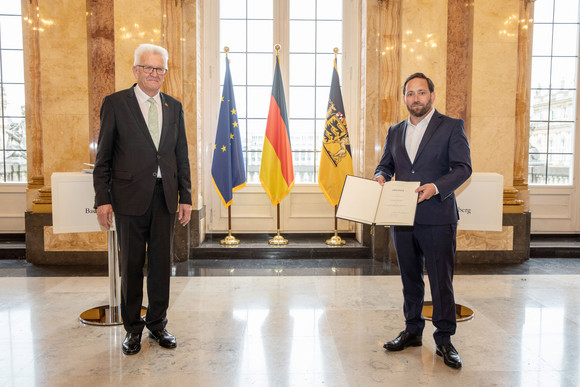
(421, 112)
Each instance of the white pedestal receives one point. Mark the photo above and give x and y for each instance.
(72, 211)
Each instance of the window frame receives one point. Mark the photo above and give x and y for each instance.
(4, 117)
(305, 209)
(551, 120)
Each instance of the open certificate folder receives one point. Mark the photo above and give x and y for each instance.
(365, 201)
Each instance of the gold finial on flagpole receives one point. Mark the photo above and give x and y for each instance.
(226, 49)
(335, 52)
(277, 47)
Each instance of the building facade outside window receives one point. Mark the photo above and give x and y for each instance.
(553, 92)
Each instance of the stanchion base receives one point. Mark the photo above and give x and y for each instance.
(278, 240)
(105, 315)
(462, 313)
(230, 240)
(335, 241)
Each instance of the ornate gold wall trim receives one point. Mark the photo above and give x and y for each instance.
(511, 204)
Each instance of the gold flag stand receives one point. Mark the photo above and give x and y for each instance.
(230, 240)
(335, 240)
(278, 239)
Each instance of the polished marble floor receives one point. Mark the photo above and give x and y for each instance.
(301, 324)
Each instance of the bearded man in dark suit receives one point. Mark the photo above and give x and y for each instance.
(142, 178)
(431, 148)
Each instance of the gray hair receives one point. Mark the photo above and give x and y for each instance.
(151, 48)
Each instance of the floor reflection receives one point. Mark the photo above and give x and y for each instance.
(17, 354)
(292, 330)
(253, 355)
(544, 335)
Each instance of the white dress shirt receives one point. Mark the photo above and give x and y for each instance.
(414, 134)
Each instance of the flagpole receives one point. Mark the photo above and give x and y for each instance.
(230, 240)
(277, 182)
(335, 240)
(278, 239)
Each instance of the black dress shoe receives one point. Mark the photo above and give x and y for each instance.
(164, 338)
(404, 340)
(132, 343)
(449, 354)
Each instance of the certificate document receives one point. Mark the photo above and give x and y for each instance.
(365, 201)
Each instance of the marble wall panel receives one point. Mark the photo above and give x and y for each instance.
(486, 240)
(63, 20)
(494, 83)
(496, 20)
(64, 85)
(492, 145)
(66, 141)
(494, 79)
(424, 45)
(83, 241)
(136, 22)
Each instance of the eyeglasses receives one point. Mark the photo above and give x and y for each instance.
(149, 70)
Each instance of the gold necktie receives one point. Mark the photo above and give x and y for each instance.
(153, 122)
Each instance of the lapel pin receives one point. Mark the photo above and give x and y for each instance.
(166, 105)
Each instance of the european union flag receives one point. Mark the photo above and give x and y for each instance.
(227, 170)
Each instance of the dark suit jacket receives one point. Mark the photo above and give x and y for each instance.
(126, 164)
(443, 158)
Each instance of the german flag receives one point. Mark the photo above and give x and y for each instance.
(276, 169)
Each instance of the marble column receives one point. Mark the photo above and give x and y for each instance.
(180, 36)
(171, 39)
(32, 77)
(193, 86)
(459, 59)
(381, 94)
(380, 78)
(525, 35)
(101, 62)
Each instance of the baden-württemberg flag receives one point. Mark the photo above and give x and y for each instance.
(276, 169)
(227, 169)
(335, 157)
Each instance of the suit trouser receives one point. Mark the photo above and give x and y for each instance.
(148, 236)
(433, 246)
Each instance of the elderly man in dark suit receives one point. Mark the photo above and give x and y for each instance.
(431, 148)
(142, 178)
